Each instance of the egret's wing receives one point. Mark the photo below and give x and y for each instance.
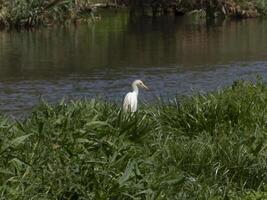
(127, 102)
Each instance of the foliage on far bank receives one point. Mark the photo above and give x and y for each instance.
(32, 13)
(211, 8)
(204, 147)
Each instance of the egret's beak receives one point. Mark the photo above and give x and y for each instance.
(144, 86)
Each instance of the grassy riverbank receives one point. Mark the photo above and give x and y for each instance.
(205, 147)
(33, 13)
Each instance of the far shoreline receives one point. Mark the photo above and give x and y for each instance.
(55, 13)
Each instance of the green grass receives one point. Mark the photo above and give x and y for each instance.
(204, 147)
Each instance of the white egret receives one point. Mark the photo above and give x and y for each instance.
(131, 99)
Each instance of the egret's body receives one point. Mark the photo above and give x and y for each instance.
(131, 99)
(130, 102)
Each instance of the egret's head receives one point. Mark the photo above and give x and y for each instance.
(139, 83)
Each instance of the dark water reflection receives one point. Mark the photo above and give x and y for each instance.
(170, 55)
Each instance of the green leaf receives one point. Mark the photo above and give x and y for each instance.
(19, 140)
(129, 171)
(82, 140)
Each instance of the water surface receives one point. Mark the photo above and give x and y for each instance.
(171, 55)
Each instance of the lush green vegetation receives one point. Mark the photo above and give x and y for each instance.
(205, 147)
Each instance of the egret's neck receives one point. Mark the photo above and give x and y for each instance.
(135, 89)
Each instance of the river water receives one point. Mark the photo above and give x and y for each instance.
(171, 55)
